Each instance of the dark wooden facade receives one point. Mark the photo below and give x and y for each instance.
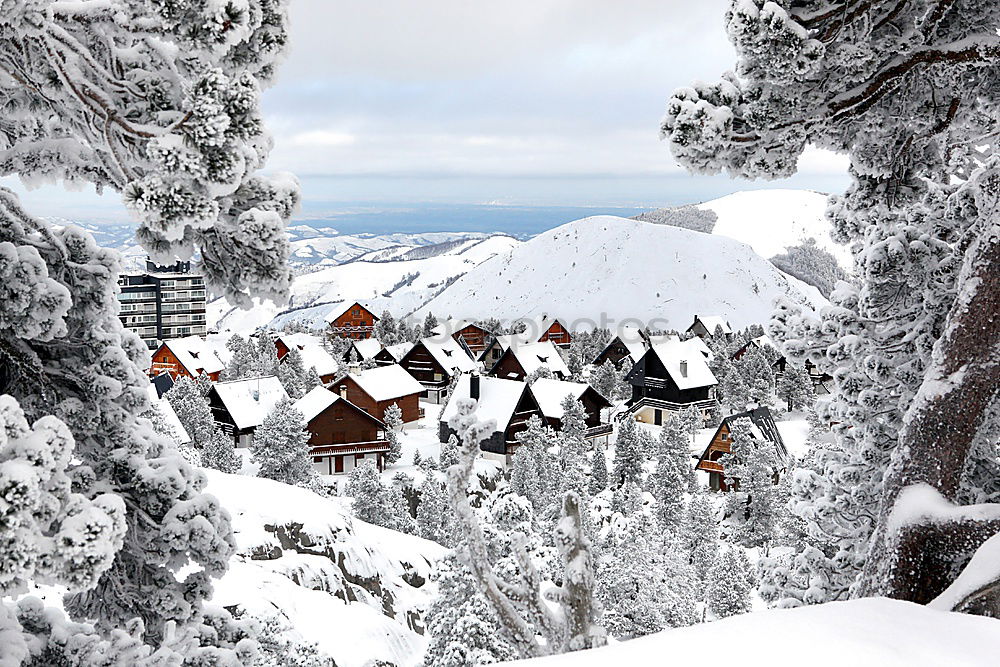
(347, 388)
(355, 322)
(508, 367)
(344, 431)
(722, 441)
(616, 353)
(556, 333)
(422, 365)
(474, 336)
(220, 413)
(504, 441)
(649, 379)
(592, 403)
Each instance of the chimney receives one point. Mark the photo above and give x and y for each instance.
(474, 386)
(684, 368)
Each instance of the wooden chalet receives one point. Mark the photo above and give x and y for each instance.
(467, 331)
(625, 348)
(550, 394)
(547, 329)
(341, 435)
(510, 404)
(162, 383)
(375, 389)
(705, 325)
(240, 406)
(355, 322)
(391, 354)
(519, 361)
(364, 349)
(497, 346)
(314, 354)
(186, 357)
(759, 343)
(759, 423)
(433, 362)
(671, 376)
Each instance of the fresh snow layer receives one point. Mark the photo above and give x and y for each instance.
(770, 221)
(860, 633)
(609, 271)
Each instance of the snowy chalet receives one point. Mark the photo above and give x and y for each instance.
(758, 422)
(364, 349)
(550, 393)
(375, 389)
(521, 360)
(467, 331)
(314, 355)
(497, 346)
(391, 354)
(705, 325)
(356, 322)
(508, 402)
(547, 329)
(240, 406)
(341, 435)
(433, 362)
(186, 357)
(671, 375)
(625, 348)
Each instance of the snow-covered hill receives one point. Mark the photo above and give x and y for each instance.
(356, 590)
(616, 269)
(331, 248)
(400, 281)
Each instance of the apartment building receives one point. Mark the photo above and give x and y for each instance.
(163, 303)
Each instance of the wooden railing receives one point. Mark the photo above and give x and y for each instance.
(597, 431)
(647, 402)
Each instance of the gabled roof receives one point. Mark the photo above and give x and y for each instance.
(367, 348)
(162, 383)
(700, 345)
(333, 315)
(454, 325)
(194, 355)
(399, 350)
(711, 322)
(163, 406)
(498, 399)
(697, 372)
(314, 355)
(385, 383)
(449, 354)
(633, 339)
(532, 356)
(250, 401)
(318, 399)
(537, 326)
(550, 394)
(759, 423)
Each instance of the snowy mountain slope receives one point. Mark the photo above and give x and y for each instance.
(332, 249)
(400, 286)
(771, 220)
(861, 633)
(356, 590)
(617, 269)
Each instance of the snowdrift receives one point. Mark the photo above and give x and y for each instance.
(358, 591)
(624, 270)
(874, 631)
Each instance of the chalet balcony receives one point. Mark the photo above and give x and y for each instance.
(657, 404)
(655, 383)
(598, 431)
(711, 466)
(371, 447)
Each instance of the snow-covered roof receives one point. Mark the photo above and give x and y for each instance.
(449, 354)
(696, 374)
(760, 424)
(387, 382)
(314, 355)
(399, 350)
(762, 342)
(633, 340)
(537, 326)
(250, 401)
(163, 406)
(195, 355)
(711, 322)
(498, 399)
(700, 345)
(217, 343)
(550, 394)
(453, 325)
(533, 356)
(314, 402)
(367, 348)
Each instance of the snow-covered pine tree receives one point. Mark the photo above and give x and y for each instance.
(729, 588)
(672, 476)
(242, 359)
(293, 375)
(898, 88)
(220, 453)
(433, 514)
(460, 623)
(627, 465)
(573, 447)
(365, 487)
(277, 649)
(430, 323)
(192, 411)
(755, 508)
(266, 355)
(606, 381)
(449, 452)
(524, 616)
(393, 418)
(280, 446)
(795, 387)
(386, 330)
(701, 535)
(598, 470)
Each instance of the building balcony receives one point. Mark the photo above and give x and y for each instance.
(657, 404)
(598, 431)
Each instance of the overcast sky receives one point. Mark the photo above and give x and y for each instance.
(540, 102)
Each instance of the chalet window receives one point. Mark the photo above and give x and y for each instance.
(438, 377)
(356, 312)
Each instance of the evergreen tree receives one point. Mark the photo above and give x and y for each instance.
(572, 446)
(606, 381)
(293, 375)
(598, 470)
(430, 324)
(266, 359)
(701, 535)
(393, 426)
(278, 649)
(627, 466)
(220, 453)
(365, 487)
(192, 411)
(755, 507)
(729, 588)
(280, 446)
(461, 625)
(386, 330)
(432, 513)
(796, 387)
(242, 359)
(449, 452)
(671, 479)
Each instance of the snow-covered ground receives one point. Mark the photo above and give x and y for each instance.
(860, 633)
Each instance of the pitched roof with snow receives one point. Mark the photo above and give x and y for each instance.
(194, 355)
(712, 322)
(533, 356)
(449, 354)
(537, 326)
(367, 348)
(760, 424)
(250, 401)
(170, 417)
(498, 399)
(399, 350)
(314, 355)
(696, 372)
(385, 383)
(550, 394)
